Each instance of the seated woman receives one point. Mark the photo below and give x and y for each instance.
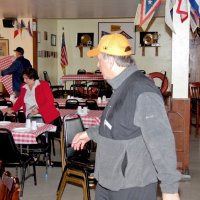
(36, 98)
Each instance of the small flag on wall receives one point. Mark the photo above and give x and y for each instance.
(63, 59)
(29, 29)
(145, 12)
(20, 26)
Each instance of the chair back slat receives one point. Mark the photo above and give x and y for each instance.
(91, 104)
(194, 90)
(71, 128)
(71, 104)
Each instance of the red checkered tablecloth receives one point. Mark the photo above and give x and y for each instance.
(82, 77)
(30, 136)
(7, 82)
(5, 62)
(62, 102)
(91, 119)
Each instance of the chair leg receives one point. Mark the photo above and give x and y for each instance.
(23, 174)
(34, 175)
(62, 184)
(78, 177)
(83, 180)
(197, 120)
(2, 169)
(53, 146)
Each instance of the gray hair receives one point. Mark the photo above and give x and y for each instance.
(123, 61)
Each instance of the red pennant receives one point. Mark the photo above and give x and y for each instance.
(16, 32)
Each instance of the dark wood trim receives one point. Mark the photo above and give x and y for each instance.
(35, 46)
(179, 117)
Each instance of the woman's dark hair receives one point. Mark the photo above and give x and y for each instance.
(30, 73)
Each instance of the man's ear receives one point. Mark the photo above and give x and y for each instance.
(111, 61)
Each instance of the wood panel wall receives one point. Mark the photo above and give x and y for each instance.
(179, 117)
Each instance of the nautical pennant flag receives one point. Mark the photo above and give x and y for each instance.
(182, 9)
(145, 12)
(17, 28)
(194, 19)
(63, 59)
(29, 29)
(22, 26)
(195, 4)
(168, 13)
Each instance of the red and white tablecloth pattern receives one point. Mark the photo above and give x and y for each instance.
(93, 117)
(82, 77)
(5, 62)
(30, 136)
(62, 102)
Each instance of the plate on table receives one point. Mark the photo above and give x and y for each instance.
(82, 114)
(40, 124)
(4, 123)
(21, 129)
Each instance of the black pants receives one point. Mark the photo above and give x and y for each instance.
(137, 193)
(42, 139)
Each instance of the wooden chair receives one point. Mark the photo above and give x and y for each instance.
(56, 89)
(79, 164)
(93, 91)
(11, 117)
(71, 104)
(194, 93)
(91, 104)
(4, 102)
(21, 117)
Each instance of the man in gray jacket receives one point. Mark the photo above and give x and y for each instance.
(135, 143)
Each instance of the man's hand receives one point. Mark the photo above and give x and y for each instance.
(167, 196)
(80, 140)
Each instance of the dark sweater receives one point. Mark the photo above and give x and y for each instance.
(16, 69)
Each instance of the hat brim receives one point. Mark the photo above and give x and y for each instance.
(93, 52)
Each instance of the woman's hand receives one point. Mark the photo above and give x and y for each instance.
(80, 140)
(34, 111)
(9, 111)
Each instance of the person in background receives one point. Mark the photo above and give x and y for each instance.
(36, 98)
(16, 69)
(135, 143)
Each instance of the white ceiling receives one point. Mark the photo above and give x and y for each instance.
(57, 9)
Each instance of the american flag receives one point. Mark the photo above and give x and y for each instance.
(63, 60)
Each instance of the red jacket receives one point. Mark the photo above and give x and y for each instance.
(44, 99)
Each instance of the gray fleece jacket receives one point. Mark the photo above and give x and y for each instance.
(130, 161)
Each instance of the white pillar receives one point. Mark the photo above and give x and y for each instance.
(180, 55)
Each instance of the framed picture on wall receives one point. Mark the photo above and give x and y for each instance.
(53, 40)
(4, 47)
(125, 28)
